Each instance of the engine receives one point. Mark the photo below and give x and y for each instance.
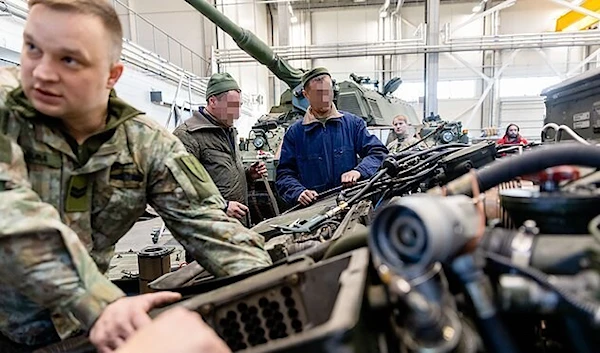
(457, 248)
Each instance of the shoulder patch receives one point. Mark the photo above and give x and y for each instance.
(5, 149)
(194, 166)
(195, 171)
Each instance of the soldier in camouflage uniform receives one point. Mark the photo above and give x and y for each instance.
(77, 167)
(400, 138)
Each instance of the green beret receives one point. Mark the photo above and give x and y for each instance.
(219, 83)
(317, 71)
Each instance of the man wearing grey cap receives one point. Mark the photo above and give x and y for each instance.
(321, 151)
(210, 136)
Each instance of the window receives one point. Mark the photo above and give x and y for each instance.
(525, 86)
(456, 89)
(411, 91)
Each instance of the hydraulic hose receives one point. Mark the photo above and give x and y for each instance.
(368, 186)
(590, 310)
(392, 162)
(426, 161)
(527, 163)
(477, 286)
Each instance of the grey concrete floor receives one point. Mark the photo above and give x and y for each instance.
(124, 264)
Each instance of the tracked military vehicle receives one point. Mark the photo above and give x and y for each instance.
(377, 108)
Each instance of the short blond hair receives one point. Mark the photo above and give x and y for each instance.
(401, 118)
(101, 9)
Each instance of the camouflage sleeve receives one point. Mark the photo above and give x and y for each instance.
(39, 255)
(188, 201)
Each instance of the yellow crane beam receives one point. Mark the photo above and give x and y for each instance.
(577, 20)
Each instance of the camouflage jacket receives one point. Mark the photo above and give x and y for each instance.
(59, 221)
(399, 143)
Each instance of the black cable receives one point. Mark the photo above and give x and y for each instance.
(535, 161)
(368, 186)
(429, 150)
(358, 187)
(589, 309)
(408, 183)
(326, 194)
(426, 161)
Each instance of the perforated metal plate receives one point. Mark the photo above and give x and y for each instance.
(262, 317)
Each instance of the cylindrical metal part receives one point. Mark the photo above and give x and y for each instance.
(419, 230)
(153, 262)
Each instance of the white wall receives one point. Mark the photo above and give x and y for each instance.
(536, 16)
(135, 86)
(347, 26)
(11, 38)
(358, 24)
(252, 77)
(362, 24)
(181, 22)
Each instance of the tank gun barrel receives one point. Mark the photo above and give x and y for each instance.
(251, 44)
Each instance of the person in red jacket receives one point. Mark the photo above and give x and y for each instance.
(512, 136)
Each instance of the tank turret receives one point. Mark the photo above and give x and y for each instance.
(378, 109)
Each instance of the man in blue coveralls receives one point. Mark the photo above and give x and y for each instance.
(321, 151)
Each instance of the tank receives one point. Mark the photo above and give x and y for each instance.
(376, 107)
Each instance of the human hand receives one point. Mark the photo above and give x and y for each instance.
(120, 319)
(307, 197)
(257, 170)
(350, 177)
(177, 330)
(237, 210)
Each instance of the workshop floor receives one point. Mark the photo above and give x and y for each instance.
(124, 264)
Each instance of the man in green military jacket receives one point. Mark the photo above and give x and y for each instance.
(77, 167)
(209, 135)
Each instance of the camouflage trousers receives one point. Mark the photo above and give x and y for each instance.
(8, 346)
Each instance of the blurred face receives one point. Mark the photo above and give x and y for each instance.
(226, 107)
(513, 132)
(400, 126)
(319, 92)
(66, 69)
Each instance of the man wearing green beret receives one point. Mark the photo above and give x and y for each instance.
(210, 136)
(321, 151)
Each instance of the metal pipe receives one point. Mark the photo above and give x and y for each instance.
(577, 8)
(490, 86)
(550, 65)
(584, 62)
(468, 66)
(398, 7)
(384, 8)
(475, 17)
(432, 15)
(417, 46)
